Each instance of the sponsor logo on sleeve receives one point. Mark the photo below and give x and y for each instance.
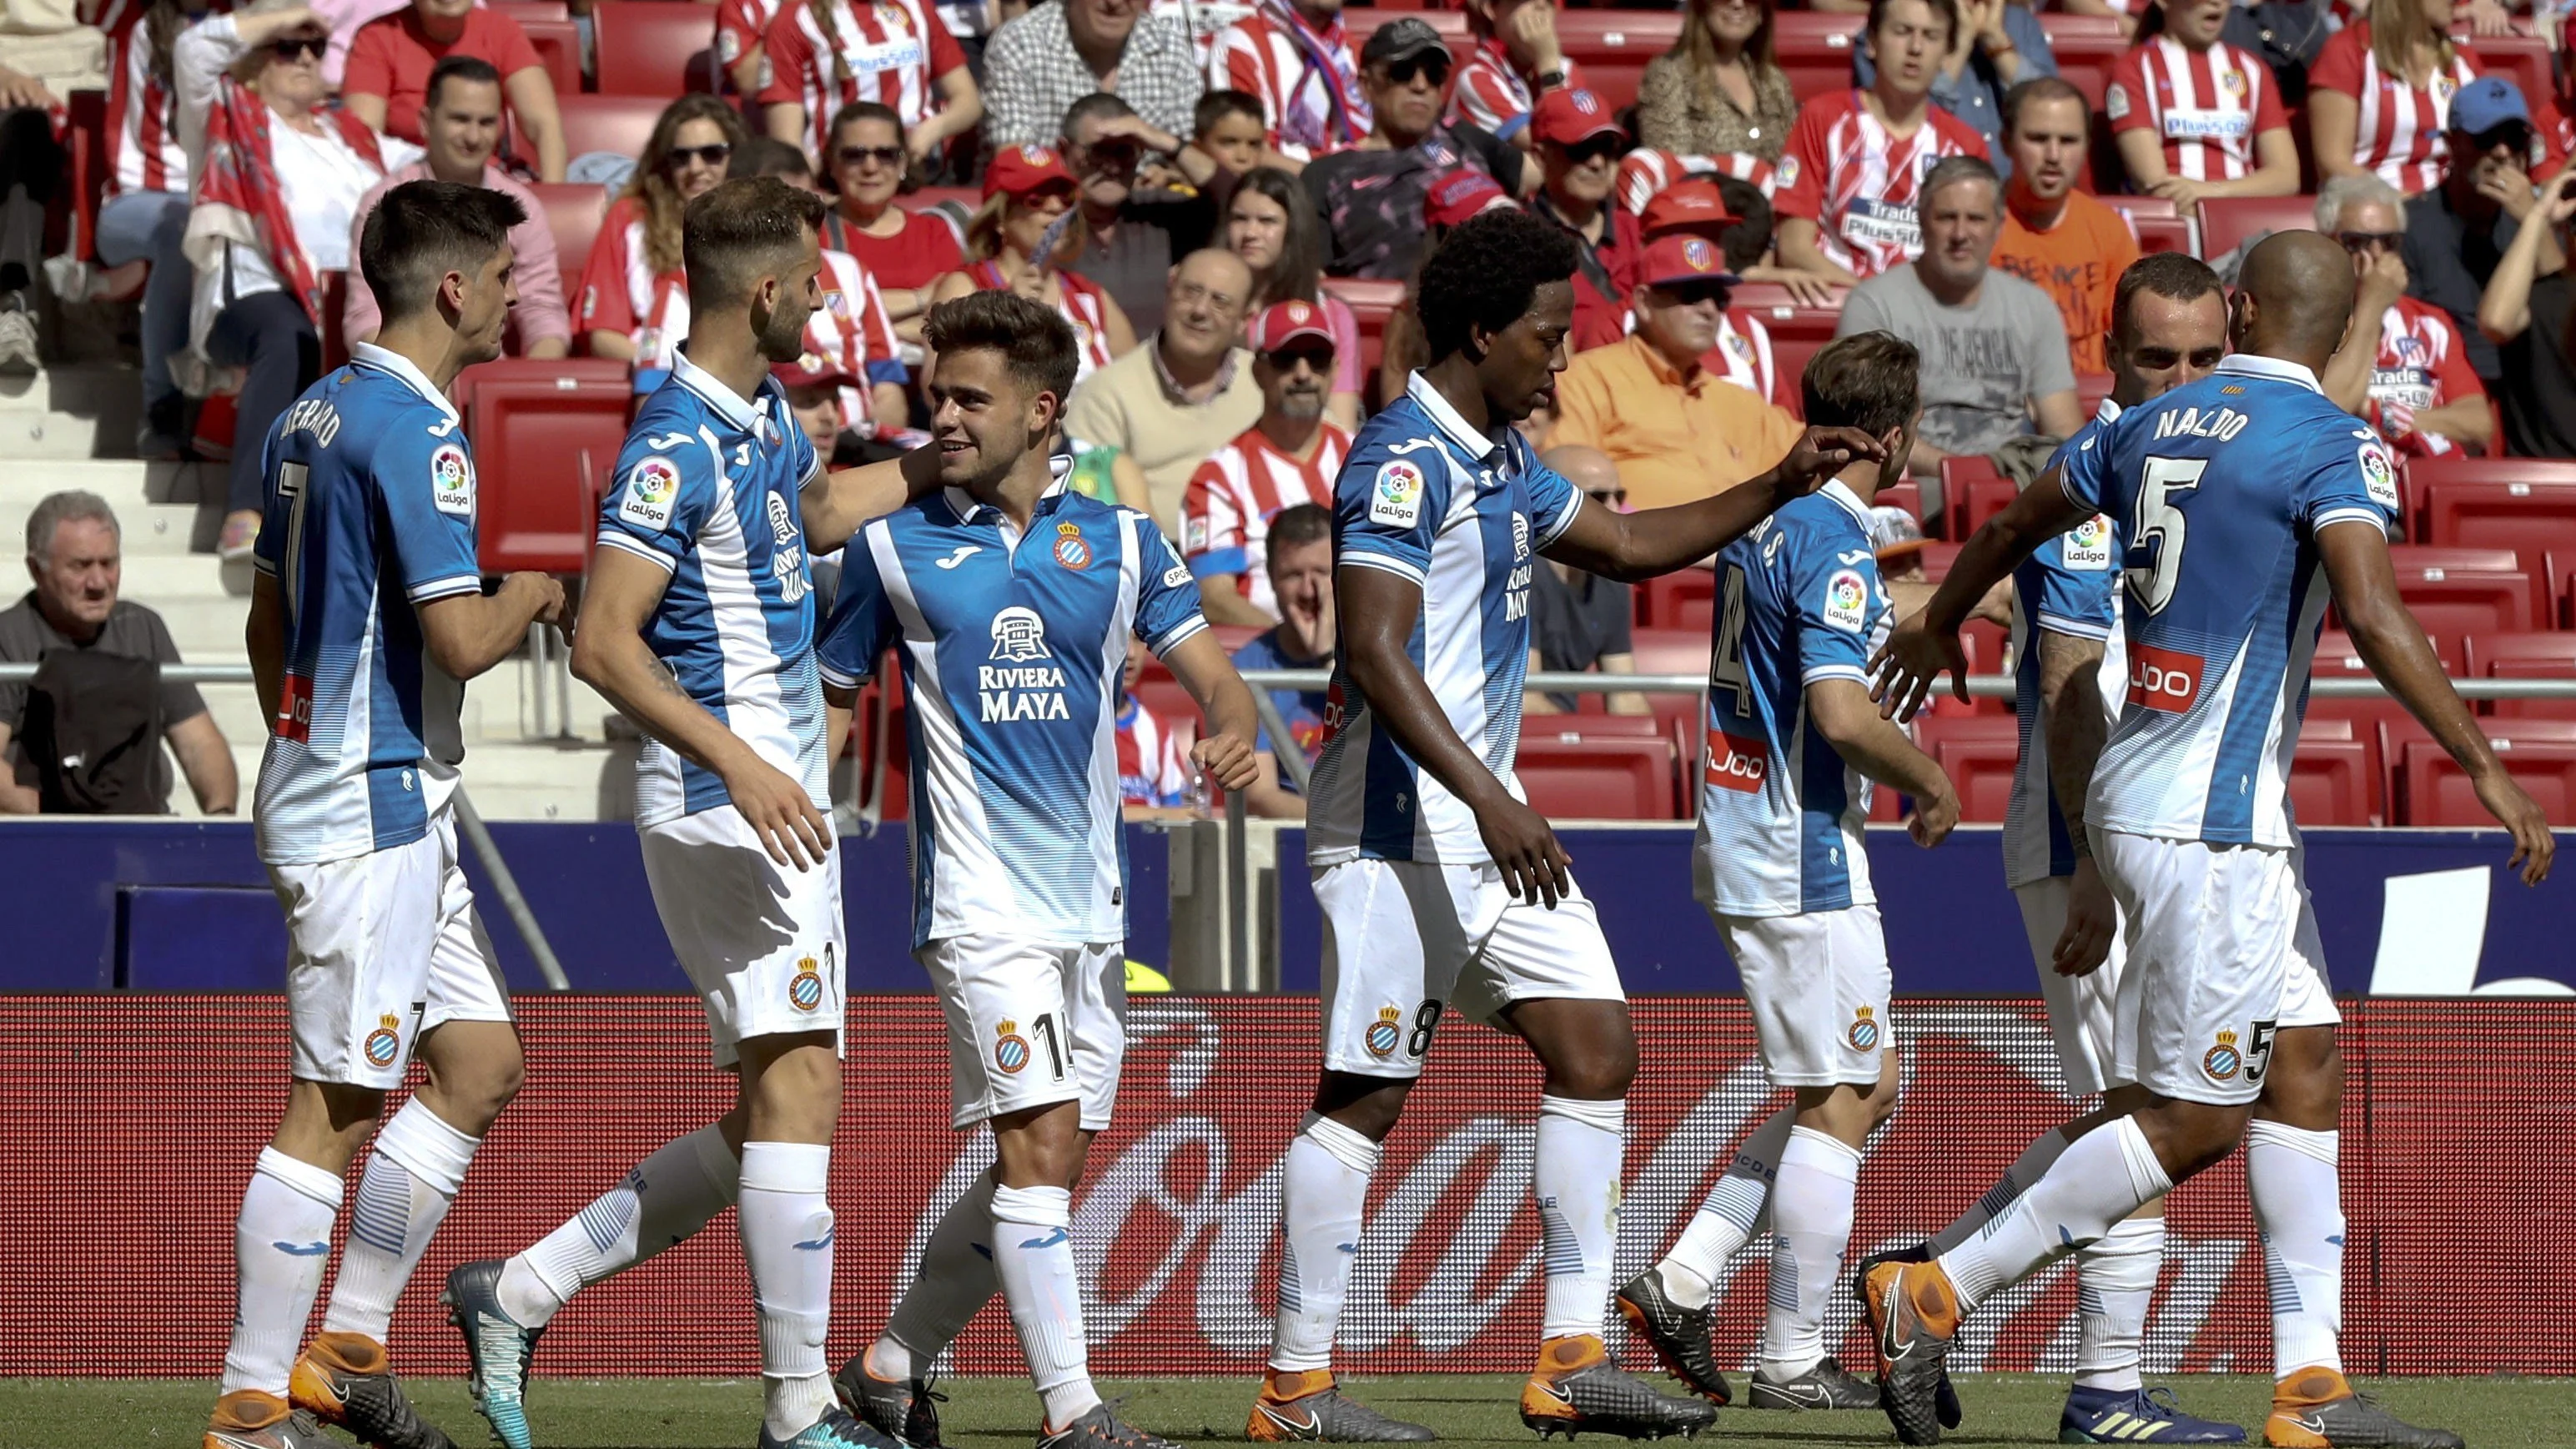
(2088, 546)
(2115, 101)
(2163, 679)
(652, 486)
(451, 480)
(2379, 476)
(1736, 763)
(1395, 499)
(1194, 535)
(1175, 577)
(1847, 600)
(1787, 172)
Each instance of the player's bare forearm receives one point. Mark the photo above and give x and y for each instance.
(2390, 641)
(1377, 610)
(1844, 715)
(1633, 546)
(264, 640)
(467, 634)
(1199, 663)
(2071, 718)
(2041, 512)
(609, 654)
(838, 504)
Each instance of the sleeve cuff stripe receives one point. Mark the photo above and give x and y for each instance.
(1834, 671)
(2350, 515)
(837, 679)
(2074, 628)
(640, 550)
(1384, 563)
(443, 588)
(1189, 629)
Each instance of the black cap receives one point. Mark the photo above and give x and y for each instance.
(1399, 40)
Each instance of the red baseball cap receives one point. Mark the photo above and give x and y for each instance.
(1019, 171)
(1571, 116)
(1281, 323)
(1693, 206)
(1459, 195)
(811, 370)
(1677, 260)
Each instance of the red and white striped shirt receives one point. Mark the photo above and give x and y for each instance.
(849, 331)
(1843, 171)
(1080, 304)
(1488, 93)
(2399, 134)
(1227, 508)
(891, 52)
(1742, 356)
(1643, 175)
(143, 146)
(2421, 362)
(1298, 102)
(621, 293)
(1153, 768)
(742, 26)
(2207, 105)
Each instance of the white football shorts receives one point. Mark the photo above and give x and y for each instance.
(1818, 985)
(2223, 952)
(381, 947)
(762, 943)
(1030, 1024)
(1403, 939)
(2083, 1011)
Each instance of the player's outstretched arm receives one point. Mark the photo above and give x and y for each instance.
(1927, 643)
(1225, 752)
(467, 634)
(609, 654)
(837, 504)
(264, 640)
(1633, 546)
(2071, 718)
(1377, 610)
(2385, 634)
(1844, 715)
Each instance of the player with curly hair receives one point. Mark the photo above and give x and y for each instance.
(1438, 884)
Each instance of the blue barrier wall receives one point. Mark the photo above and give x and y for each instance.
(165, 904)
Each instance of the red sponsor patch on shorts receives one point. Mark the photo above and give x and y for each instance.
(2165, 679)
(1736, 763)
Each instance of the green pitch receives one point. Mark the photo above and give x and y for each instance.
(1001, 1413)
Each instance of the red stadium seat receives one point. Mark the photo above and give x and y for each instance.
(1789, 357)
(1593, 773)
(655, 48)
(1908, 496)
(84, 141)
(558, 46)
(2523, 59)
(573, 214)
(2459, 591)
(1674, 651)
(1611, 47)
(1371, 302)
(2153, 219)
(2084, 47)
(1971, 492)
(2337, 731)
(1977, 752)
(524, 11)
(1815, 49)
(546, 437)
(1682, 599)
(621, 124)
(1785, 316)
(2524, 656)
(2361, 718)
(2227, 222)
(2091, 388)
(2331, 782)
(2431, 790)
(2523, 504)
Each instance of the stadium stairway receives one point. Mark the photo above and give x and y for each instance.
(64, 428)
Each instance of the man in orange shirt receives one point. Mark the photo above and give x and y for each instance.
(2060, 240)
(1675, 429)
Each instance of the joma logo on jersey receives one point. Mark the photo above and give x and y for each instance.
(1736, 763)
(2164, 679)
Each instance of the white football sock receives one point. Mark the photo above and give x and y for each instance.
(2107, 1174)
(1323, 1192)
(662, 1202)
(414, 1173)
(786, 1224)
(2030, 1167)
(2115, 1280)
(1727, 1216)
(281, 1242)
(1577, 1164)
(1811, 1219)
(955, 1282)
(2298, 1208)
(1033, 1257)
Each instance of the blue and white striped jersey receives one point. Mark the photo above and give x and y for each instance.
(1799, 600)
(708, 487)
(1464, 515)
(2219, 489)
(368, 514)
(1012, 646)
(2069, 585)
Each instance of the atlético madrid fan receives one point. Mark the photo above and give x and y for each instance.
(2195, 116)
(1742, 352)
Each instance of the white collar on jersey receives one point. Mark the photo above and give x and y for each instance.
(1839, 491)
(966, 505)
(743, 417)
(2277, 369)
(400, 366)
(1482, 445)
(2108, 412)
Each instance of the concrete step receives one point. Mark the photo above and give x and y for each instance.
(82, 410)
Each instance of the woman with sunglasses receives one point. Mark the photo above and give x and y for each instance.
(2379, 95)
(1021, 240)
(1720, 89)
(1271, 225)
(634, 298)
(906, 253)
(2196, 117)
(278, 179)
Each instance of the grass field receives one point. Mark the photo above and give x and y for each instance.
(1001, 1413)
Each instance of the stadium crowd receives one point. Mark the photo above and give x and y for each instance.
(1208, 194)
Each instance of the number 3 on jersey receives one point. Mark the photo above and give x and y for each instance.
(2159, 528)
(1726, 661)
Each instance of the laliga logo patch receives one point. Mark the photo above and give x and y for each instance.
(1846, 600)
(1787, 172)
(1385, 1034)
(1019, 635)
(2223, 1061)
(1396, 498)
(805, 991)
(1863, 1035)
(651, 486)
(2115, 101)
(1070, 550)
(1010, 1049)
(451, 481)
(2088, 546)
(2379, 476)
(384, 1044)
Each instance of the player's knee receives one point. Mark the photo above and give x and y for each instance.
(1369, 1106)
(1602, 1076)
(2304, 1083)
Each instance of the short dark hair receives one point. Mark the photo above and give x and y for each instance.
(1301, 524)
(1486, 273)
(769, 156)
(1097, 106)
(472, 69)
(1870, 380)
(1750, 236)
(1036, 343)
(422, 230)
(2174, 276)
(857, 111)
(744, 224)
(1215, 106)
(1946, 9)
(2043, 88)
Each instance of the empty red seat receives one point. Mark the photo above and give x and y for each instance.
(1371, 301)
(618, 124)
(1785, 316)
(2524, 656)
(2336, 730)
(1596, 774)
(1673, 651)
(1815, 49)
(1977, 752)
(546, 438)
(524, 11)
(2360, 718)
(2090, 389)
(1682, 599)
(2457, 591)
(1789, 357)
(1971, 492)
(654, 48)
(558, 46)
(2227, 222)
(2523, 504)
(2331, 784)
(1908, 496)
(2429, 789)
(573, 213)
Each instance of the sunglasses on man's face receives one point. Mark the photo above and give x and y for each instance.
(862, 155)
(288, 49)
(714, 155)
(1287, 358)
(1692, 294)
(1435, 67)
(2371, 241)
(2514, 136)
(1599, 148)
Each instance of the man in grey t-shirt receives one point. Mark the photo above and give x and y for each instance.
(1993, 345)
